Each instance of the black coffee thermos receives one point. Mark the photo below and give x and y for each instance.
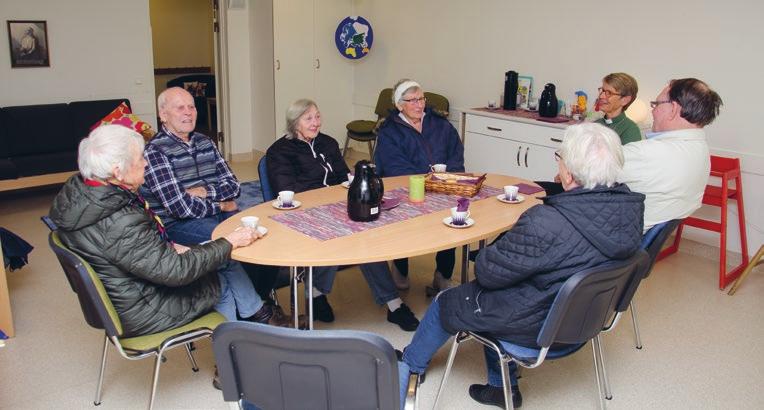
(365, 193)
(548, 102)
(510, 90)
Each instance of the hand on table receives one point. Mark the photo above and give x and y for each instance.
(243, 236)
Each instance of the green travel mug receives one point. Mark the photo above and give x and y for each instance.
(416, 188)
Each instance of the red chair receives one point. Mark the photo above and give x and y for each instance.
(727, 169)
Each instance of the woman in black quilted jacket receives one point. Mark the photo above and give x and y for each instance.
(594, 221)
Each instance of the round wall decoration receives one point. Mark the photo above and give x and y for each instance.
(354, 37)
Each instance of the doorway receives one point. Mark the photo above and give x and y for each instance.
(188, 53)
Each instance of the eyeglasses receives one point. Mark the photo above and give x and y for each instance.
(416, 100)
(607, 93)
(557, 156)
(654, 104)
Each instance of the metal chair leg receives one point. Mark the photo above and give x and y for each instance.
(637, 338)
(194, 367)
(449, 363)
(508, 403)
(97, 401)
(606, 381)
(600, 396)
(345, 149)
(155, 379)
(465, 262)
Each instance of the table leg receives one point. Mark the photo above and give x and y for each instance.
(295, 309)
(310, 297)
(465, 261)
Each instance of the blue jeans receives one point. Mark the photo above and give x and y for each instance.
(236, 292)
(429, 337)
(380, 281)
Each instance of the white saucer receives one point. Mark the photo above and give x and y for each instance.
(346, 184)
(494, 108)
(263, 230)
(469, 222)
(295, 204)
(519, 199)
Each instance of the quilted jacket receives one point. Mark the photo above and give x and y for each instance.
(152, 287)
(518, 277)
(402, 150)
(296, 165)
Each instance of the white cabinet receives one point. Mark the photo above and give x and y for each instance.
(509, 145)
(307, 63)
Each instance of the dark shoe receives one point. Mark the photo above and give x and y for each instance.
(403, 317)
(322, 310)
(261, 316)
(278, 318)
(216, 380)
(491, 395)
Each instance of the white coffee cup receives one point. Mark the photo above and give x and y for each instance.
(492, 104)
(285, 198)
(459, 217)
(510, 192)
(439, 168)
(250, 221)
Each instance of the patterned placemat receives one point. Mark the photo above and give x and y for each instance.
(331, 220)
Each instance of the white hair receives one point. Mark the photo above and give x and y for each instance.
(592, 153)
(106, 147)
(296, 110)
(403, 87)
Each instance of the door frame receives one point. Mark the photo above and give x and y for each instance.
(220, 47)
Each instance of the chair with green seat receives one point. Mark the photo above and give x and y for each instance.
(438, 103)
(363, 130)
(99, 313)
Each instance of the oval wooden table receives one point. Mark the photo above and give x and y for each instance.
(284, 246)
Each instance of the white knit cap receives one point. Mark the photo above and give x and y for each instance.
(402, 89)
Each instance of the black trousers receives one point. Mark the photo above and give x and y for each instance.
(444, 263)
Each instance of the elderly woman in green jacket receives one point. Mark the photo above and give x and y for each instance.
(153, 283)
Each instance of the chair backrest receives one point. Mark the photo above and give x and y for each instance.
(437, 102)
(265, 185)
(588, 299)
(280, 368)
(384, 103)
(653, 240)
(95, 303)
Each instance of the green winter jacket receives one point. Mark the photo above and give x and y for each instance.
(152, 287)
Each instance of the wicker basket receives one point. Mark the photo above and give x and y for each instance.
(448, 183)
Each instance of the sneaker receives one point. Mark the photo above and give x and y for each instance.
(439, 283)
(401, 282)
(322, 311)
(492, 395)
(403, 317)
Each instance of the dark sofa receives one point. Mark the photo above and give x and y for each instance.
(39, 142)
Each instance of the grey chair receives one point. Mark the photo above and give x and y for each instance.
(99, 313)
(280, 368)
(652, 242)
(585, 302)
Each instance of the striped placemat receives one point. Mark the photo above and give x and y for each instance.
(331, 221)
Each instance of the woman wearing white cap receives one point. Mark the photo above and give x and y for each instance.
(409, 141)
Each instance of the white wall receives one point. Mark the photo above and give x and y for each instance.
(240, 80)
(462, 48)
(99, 49)
(261, 33)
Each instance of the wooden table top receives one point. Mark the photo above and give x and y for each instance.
(283, 246)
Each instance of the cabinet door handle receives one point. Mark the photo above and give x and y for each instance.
(493, 128)
(526, 156)
(278, 65)
(518, 155)
(318, 64)
(555, 139)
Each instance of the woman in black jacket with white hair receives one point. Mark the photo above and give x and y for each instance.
(594, 221)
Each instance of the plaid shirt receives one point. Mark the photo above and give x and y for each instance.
(174, 166)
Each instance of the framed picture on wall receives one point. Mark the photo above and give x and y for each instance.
(28, 40)
(524, 91)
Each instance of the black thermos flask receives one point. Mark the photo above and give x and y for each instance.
(510, 90)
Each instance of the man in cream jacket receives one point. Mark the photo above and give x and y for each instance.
(672, 165)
